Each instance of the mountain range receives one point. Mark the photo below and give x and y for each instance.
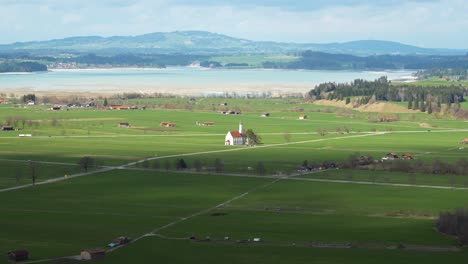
(202, 42)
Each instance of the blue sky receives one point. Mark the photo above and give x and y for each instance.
(425, 23)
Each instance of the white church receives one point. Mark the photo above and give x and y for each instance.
(236, 137)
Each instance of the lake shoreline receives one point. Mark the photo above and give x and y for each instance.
(182, 81)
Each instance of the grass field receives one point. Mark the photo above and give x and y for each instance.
(61, 218)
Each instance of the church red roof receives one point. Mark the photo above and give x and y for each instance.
(236, 134)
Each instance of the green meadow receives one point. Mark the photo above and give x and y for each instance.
(383, 223)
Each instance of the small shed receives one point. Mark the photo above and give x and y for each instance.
(407, 156)
(125, 125)
(167, 124)
(266, 115)
(119, 107)
(7, 128)
(93, 254)
(302, 117)
(464, 141)
(56, 108)
(18, 255)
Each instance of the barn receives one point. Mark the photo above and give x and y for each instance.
(93, 254)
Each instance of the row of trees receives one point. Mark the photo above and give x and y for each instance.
(218, 165)
(381, 89)
(357, 161)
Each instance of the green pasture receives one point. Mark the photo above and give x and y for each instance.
(66, 136)
(62, 218)
(392, 177)
(157, 249)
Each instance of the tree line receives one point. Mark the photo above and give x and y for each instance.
(25, 66)
(320, 60)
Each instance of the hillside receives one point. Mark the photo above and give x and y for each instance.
(202, 42)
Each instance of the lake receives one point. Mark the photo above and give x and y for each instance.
(183, 80)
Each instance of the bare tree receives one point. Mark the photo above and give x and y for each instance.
(197, 165)
(34, 166)
(86, 162)
(18, 175)
(167, 165)
(260, 169)
(219, 165)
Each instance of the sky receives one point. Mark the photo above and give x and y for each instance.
(424, 23)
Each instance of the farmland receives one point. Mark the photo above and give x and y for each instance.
(134, 189)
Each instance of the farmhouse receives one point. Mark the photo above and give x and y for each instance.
(119, 107)
(18, 255)
(302, 117)
(207, 124)
(30, 102)
(124, 125)
(407, 156)
(236, 137)
(6, 128)
(390, 156)
(167, 124)
(4, 101)
(92, 254)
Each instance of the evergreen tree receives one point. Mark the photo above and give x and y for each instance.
(429, 108)
(410, 104)
(423, 107)
(416, 104)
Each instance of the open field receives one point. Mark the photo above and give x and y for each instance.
(290, 212)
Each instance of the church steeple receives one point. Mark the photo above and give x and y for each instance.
(240, 128)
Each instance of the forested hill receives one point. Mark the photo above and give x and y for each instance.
(26, 66)
(319, 60)
(201, 42)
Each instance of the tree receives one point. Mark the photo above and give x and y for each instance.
(260, 169)
(416, 104)
(410, 104)
(219, 165)
(86, 162)
(145, 164)
(252, 138)
(34, 166)
(29, 97)
(322, 131)
(423, 107)
(348, 100)
(156, 164)
(105, 102)
(287, 137)
(18, 175)
(197, 165)
(429, 108)
(181, 165)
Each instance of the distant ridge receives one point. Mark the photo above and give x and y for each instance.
(202, 42)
